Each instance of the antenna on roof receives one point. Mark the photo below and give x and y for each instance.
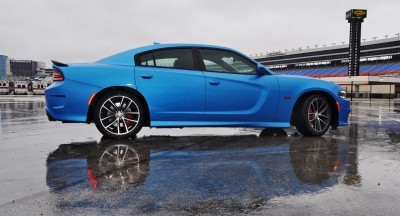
(155, 43)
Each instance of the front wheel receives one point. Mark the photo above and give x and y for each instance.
(119, 115)
(313, 116)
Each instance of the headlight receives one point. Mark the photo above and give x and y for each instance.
(342, 94)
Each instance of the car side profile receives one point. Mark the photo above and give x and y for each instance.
(190, 85)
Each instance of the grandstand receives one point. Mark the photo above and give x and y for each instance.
(379, 65)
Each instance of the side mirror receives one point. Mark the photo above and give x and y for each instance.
(261, 70)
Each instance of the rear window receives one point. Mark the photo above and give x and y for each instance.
(147, 59)
(171, 58)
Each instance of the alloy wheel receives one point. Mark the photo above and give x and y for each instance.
(119, 115)
(318, 114)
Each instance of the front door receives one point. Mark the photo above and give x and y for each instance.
(235, 92)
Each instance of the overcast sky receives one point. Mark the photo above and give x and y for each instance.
(87, 30)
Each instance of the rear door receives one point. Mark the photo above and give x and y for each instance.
(235, 91)
(173, 88)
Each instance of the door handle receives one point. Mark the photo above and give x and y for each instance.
(146, 76)
(214, 82)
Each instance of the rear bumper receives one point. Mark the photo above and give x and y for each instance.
(49, 116)
(67, 101)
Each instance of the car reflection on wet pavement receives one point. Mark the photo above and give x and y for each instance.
(195, 170)
(47, 169)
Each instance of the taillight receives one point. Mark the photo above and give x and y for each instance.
(57, 75)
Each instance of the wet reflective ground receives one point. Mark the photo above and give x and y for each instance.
(52, 168)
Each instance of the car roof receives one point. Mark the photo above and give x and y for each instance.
(126, 57)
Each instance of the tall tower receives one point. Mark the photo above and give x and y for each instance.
(355, 17)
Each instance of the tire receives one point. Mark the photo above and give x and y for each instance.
(119, 115)
(313, 116)
(120, 164)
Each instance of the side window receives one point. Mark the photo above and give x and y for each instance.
(147, 59)
(171, 58)
(225, 61)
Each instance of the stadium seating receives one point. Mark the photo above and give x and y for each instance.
(383, 68)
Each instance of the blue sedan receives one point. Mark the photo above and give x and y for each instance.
(190, 85)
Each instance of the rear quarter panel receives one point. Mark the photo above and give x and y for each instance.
(101, 75)
(68, 100)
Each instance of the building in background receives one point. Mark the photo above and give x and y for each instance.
(40, 68)
(27, 68)
(4, 67)
(23, 68)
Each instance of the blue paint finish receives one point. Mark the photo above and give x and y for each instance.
(241, 97)
(100, 75)
(296, 86)
(178, 98)
(172, 94)
(344, 112)
(218, 123)
(68, 100)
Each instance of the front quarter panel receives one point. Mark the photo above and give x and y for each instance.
(293, 87)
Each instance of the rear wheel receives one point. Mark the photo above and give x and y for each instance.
(313, 116)
(119, 115)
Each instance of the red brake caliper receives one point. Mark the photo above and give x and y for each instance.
(128, 123)
(310, 117)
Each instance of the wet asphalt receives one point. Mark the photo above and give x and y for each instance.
(50, 168)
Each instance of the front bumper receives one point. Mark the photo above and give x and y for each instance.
(345, 109)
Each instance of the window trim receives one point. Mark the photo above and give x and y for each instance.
(194, 56)
(203, 66)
